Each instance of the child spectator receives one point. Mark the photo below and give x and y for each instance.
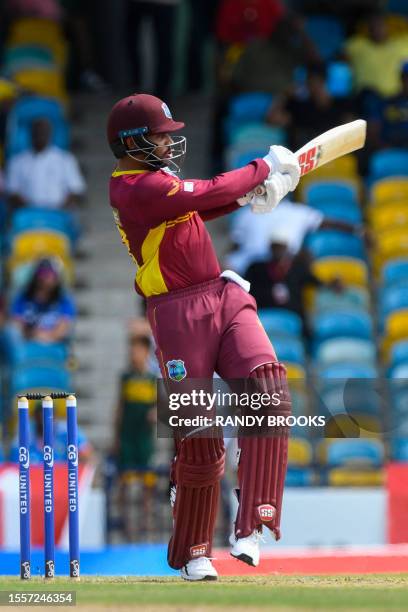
(44, 311)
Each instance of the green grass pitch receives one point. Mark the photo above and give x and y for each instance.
(278, 593)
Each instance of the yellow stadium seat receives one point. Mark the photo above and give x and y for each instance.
(39, 32)
(344, 168)
(295, 371)
(299, 452)
(34, 244)
(351, 271)
(48, 83)
(351, 426)
(391, 215)
(342, 477)
(396, 325)
(391, 244)
(389, 190)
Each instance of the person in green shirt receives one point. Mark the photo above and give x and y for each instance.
(136, 412)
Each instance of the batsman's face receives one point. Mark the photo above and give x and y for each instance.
(163, 142)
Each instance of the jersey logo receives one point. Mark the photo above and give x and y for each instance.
(176, 187)
(176, 369)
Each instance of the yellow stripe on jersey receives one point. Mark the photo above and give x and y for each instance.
(122, 233)
(122, 172)
(181, 219)
(149, 276)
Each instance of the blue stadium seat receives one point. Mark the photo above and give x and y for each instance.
(325, 191)
(251, 106)
(280, 321)
(27, 378)
(337, 210)
(347, 371)
(329, 243)
(289, 349)
(349, 299)
(351, 396)
(399, 449)
(390, 162)
(327, 33)
(399, 353)
(33, 353)
(343, 349)
(393, 298)
(399, 371)
(22, 114)
(395, 271)
(300, 477)
(350, 323)
(42, 218)
(360, 451)
(258, 135)
(339, 79)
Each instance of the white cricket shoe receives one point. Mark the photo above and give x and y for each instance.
(199, 569)
(246, 549)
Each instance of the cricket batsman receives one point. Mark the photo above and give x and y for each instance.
(203, 321)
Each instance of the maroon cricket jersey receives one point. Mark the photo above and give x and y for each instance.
(161, 221)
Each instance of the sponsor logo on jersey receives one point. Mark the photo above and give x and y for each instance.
(199, 550)
(266, 512)
(176, 369)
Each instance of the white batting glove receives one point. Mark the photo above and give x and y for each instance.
(276, 188)
(280, 159)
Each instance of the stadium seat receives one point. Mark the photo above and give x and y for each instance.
(342, 477)
(392, 244)
(41, 82)
(21, 116)
(354, 350)
(356, 452)
(300, 477)
(354, 397)
(342, 169)
(295, 371)
(399, 449)
(351, 297)
(389, 190)
(35, 353)
(331, 243)
(61, 221)
(30, 245)
(389, 216)
(325, 191)
(399, 353)
(251, 106)
(278, 321)
(351, 271)
(336, 210)
(347, 371)
(256, 135)
(389, 162)
(289, 349)
(43, 32)
(396, 325)
(300, 452)
(400, 371)
(31, 379)
(23, 57)
(393, 298)
(395, 271)
(339, 79)
(327, 33)
(349, 323)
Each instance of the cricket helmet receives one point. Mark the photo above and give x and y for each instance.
(133, 119)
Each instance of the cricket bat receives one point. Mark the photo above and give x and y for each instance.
(323, 149)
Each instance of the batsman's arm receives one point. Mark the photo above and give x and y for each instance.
(164, 197)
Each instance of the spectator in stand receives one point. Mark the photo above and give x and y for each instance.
(134, 426)
(162, 14)
(279, 282)
(310, 112)
(287, 47)
(250, 234)
(45, 176)
(388, 119)
(376, 58)
(44, 311)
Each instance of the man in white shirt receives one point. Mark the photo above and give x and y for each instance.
(252, 233)
(44, 176)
